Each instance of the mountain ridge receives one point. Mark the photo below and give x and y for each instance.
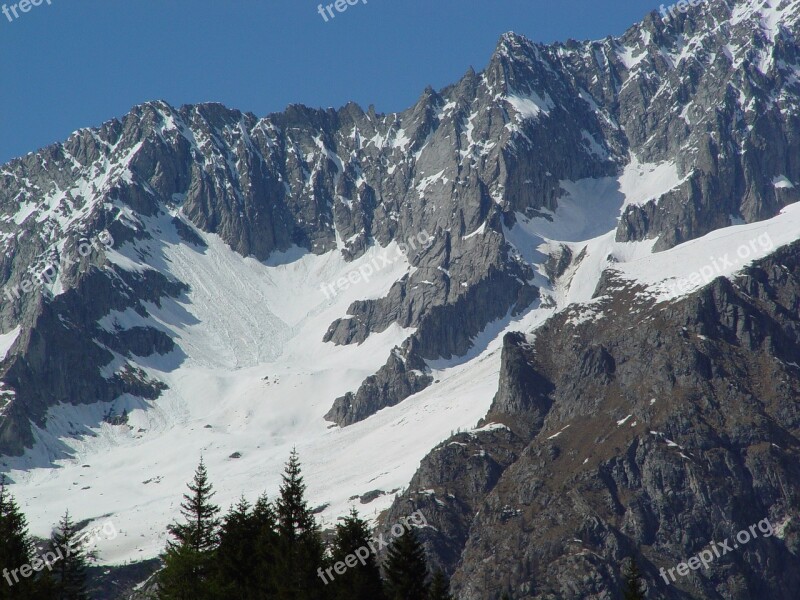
(553, 178)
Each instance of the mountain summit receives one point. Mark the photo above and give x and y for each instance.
(554, 306)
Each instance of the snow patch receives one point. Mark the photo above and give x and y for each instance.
(7, 340)
(531, 106)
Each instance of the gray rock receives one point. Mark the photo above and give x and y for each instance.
(654, 441)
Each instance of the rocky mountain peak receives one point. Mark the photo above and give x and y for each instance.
(477, 255)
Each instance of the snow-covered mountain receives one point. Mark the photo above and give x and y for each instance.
(529, 248)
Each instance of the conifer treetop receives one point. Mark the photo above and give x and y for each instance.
(201, 515)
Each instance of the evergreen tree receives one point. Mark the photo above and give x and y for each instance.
(16, 550)
(440, 587)
(236, 556)
(189, 558)
(633, 582)
(301, 551)
(406, 568)
(201, 527)
(69, 571)
(245, 565)
(294, 516)
(267, 546)
(185, 575)
(363, 581)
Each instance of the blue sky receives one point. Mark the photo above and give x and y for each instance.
(78, 63)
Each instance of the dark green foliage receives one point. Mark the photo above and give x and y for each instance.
(245, 562)
(185, 575)
(16, 550)
(633, 582)
(258, 552)
(69, 571)
(363, 581)
(294, 516)
(201, 527)
(15, 545)
(300, 549)
(267, 545)
(236, 556)
(189, 558)
(406, 569)
(440, 587)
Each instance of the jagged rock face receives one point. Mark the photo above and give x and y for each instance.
(440, 171)
(58, 355)
(522, 391)
(401, 377)
(714, 91)
(656, 439)
(560, 495)
(450, 487)
(706, 91)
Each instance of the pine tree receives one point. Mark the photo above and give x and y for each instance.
(200, 530)
(406, 568)
(363, 581)
(189, 558)
(301, 551)
(633, 582)
(267, 546)
(294, 516)
(236, 556)
(185, 576)
(440, 587)
(69, 571)
(245, 559)
(16, 550)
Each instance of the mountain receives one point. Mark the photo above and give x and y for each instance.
(554, 306)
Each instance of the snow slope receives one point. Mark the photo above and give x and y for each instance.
(252, 376)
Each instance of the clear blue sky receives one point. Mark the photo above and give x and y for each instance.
(78, 63)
